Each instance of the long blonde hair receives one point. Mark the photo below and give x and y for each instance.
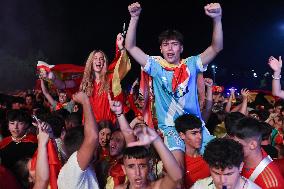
(87, 84)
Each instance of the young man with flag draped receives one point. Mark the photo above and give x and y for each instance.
(174, 79)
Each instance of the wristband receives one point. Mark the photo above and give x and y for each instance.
(276, 78)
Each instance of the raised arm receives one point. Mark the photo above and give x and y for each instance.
(244, 104)
(42, 168)
(46, 93)
(209, 99)
(174, 174)
(276, 66)
(130, 41)
(229, 103)
(214, 11)
(116, 107)
(90, 143)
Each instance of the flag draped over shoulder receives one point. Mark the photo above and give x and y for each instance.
(147, 91)
(53, 163)
(180, 78)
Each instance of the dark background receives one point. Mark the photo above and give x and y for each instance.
(61, 31)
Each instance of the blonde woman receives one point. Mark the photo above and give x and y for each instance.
(99, 79)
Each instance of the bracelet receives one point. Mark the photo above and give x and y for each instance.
(276, 78)
(118, 115)
(123, 48)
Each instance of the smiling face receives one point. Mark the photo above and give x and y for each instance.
(99, 62)
(137, 171)
(171, 50)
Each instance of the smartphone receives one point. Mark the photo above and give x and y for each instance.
(35, 119)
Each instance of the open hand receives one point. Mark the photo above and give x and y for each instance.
(275, 64)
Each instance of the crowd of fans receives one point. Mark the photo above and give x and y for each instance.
(103, 136)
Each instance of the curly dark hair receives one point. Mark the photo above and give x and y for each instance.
(223, 153)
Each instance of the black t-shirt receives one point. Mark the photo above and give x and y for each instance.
(14, 152)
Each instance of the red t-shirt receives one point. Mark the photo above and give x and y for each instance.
(270, 177)
(195, 168)
(100, 105)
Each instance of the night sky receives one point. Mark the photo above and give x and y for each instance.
(60, 31)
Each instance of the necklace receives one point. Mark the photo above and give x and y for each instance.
(244, 182)
(16, 140)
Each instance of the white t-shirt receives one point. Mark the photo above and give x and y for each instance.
(207, 183)
(72, 177)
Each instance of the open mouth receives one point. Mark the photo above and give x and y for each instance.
(138, 181)
(170, 55)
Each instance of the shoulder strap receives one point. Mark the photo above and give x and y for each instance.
(261, 166)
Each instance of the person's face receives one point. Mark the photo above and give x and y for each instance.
(271, 110)
(171, 50)
(98, 62)
(278, 123)
(192, 138)
(278, 109)
(247, 145)
(29, 100)
(136, 171)
(42, 73)
(104, 136)
(62, 97)
(117, 143)
(228, 177)
(17, 128)
(16, 106)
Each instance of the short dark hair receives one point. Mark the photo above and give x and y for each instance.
(75, 118)
(56, 122)
(19, 115)
(73, 139)
(187, 122)
(170, 35)
(21, 172)
(263, 114)
(247, 128)
(223, 153)
(231, 119)
(136, 152)
(105, 124)
(266, 130)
